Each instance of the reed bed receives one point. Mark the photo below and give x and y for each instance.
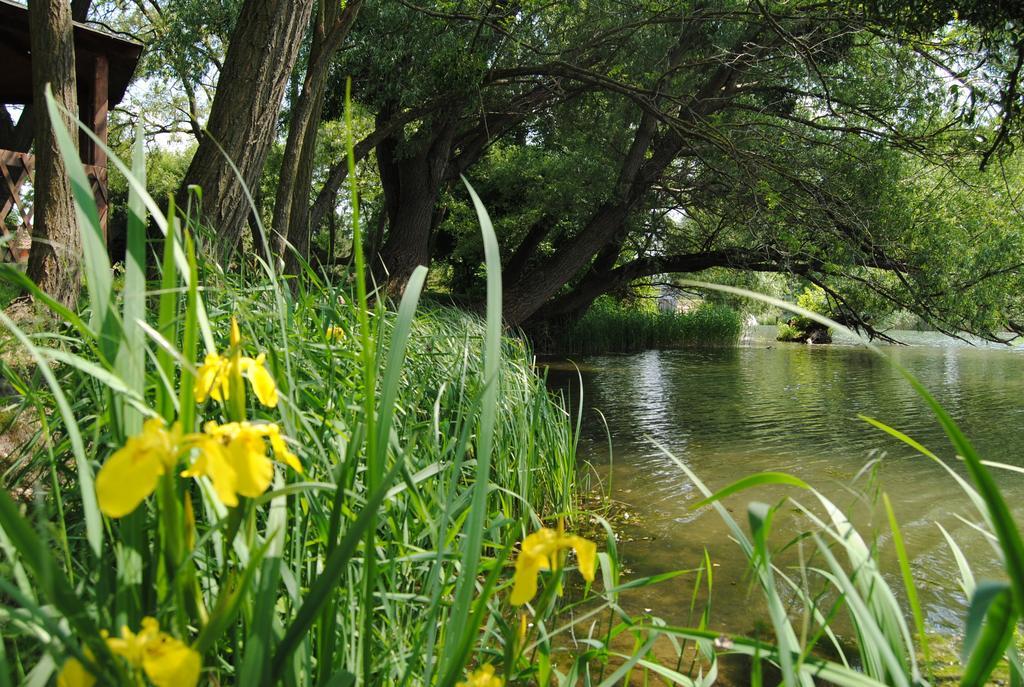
(611, 327)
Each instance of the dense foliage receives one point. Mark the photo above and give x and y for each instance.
(614, 142)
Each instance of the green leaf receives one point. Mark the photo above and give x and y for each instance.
(131, 356)
(488, 413)
(757, 480)
(984, 594)
(93, 519)
(51, 582)
(99, 280)
(327, 579)
(990, 624)
(908, 579)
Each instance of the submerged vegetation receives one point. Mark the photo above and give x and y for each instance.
(612, 327)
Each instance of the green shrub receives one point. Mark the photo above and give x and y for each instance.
(801, 328)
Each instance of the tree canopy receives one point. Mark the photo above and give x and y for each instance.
(867, 147)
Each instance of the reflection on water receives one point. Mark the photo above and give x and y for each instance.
(771, 406)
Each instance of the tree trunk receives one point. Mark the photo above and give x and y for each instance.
(18, 137)
(243, 118)
(609, 278)
(296, 223)
(259, 246)
(80, 10)
(411, 186)
(55, 259)
(326, 198)
(636, 174)
(648, 157)
(516, 263)
(291, 207)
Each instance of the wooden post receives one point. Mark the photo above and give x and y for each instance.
(98, 156)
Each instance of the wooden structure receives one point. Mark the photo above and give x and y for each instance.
(104, 64)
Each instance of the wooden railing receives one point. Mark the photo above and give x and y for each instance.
(15, 170)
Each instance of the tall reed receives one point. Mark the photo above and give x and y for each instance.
(610, 327)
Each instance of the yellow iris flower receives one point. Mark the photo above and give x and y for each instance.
(213, 379)
(132, 472)
(74, 674)
(234, 457)
(540, 551)
(166, 661)
(482, 677)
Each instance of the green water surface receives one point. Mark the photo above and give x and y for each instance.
(765, 405)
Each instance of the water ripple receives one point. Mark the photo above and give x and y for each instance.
(770, 406)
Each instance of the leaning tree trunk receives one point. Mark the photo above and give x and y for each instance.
(55, 259)
(642, 164)
(291, 206)
(243, 119)
(411, 187)
(648, 156)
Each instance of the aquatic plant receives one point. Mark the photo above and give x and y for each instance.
(805, 329)
(611, 327)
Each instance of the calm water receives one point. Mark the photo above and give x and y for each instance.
(771, 406)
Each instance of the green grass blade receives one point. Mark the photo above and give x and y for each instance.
(489, 407)
(189, 339)
(131, 356)
(908, 579)
(167, 320)
(98, 275)
(50, 581)
(327, 578)
(760, 518)
(108, 379)
(864, 618)
(967, 583)
(616, 677)
(159, 219)
(813, 668)
(90, 508)
(760, 479)
(12, 275)
(396, 354)
(991, 620)
(261, 625)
